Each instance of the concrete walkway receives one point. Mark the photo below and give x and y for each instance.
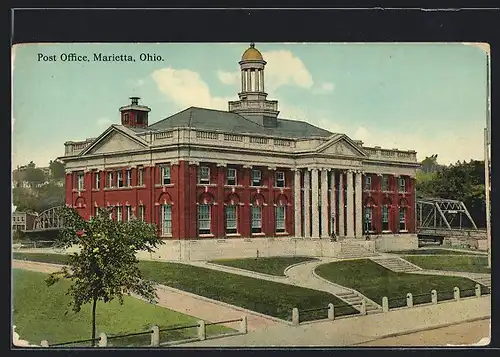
(186, 303)
(362, 329)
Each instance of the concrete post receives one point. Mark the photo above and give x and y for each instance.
(434, 297)
(385, 304)
(201, 330)
(44, 343)
(103, 340)
(244, 325)
(155, 336)
(456, 293)
(331, 312)
(478, 290)
(363, 307)
(409, 300)
(295, 316)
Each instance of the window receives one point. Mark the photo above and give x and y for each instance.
(368, 183)
(402, 184)
(231, 221)
(368, 219)
(256, 178)
(140, 176)
(385, 183)
(140, 118)
(128, 213)
(204, 219)
(125, 118)
(166, 220)
(111, 213)
(204, 173)
(97, 180)
(128, 178)
(119, 178)
(165, 175)
(280, 219)
(402, 219)
(256, 219)
(109, 181)
(140, 213)
(80, 181)
(119, 214)
(231, 177)
(280, 179)
(385, 218)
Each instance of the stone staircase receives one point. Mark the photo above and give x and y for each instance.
(396, 264)
(484, 280)
(354, 300)
(350, 250)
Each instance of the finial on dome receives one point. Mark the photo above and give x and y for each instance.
(252, 45)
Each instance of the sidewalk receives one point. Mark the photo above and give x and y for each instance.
(362, 329)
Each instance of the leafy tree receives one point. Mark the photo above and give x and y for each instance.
(106, 266)
(34, 175)
(57, 169)
(24, 199)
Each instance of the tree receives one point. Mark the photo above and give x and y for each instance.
(57, 169)
(34, 175)
(106, 266)
(24, 200)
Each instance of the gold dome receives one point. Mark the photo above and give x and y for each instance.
(252, 54)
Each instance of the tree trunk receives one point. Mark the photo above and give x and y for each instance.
(94, 303)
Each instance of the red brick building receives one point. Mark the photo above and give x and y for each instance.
(203, 173)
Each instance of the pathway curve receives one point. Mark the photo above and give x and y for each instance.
(177, 300)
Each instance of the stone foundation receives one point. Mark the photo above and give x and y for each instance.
(395, 242)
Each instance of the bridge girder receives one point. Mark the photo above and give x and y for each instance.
(48, 219)
(443, 214)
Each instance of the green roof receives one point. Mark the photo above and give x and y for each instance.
(217, 120)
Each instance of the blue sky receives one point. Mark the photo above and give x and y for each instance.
(427, 97)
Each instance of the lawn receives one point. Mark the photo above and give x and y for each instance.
(42, 257)
(375, 282)
(267, 265)
(267, 297)
(40, 314)
(437, 251)
(473, 264)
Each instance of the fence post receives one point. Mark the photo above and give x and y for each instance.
(478, 290)
(385, 304)
(409, 300)
(295, 316)
(434, 297)
(331, 312)
(363, 307)
(201, 330)
(243, 325)
(44, 343)
(103, 340)
(456, 293)
(155, 336)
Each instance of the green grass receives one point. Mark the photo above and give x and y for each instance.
(433, 252)
(375, 282)
(473, 264)
(267, 265)
(40, 314)
(42, 257)
(267, 297)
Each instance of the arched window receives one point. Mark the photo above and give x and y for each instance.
(205, 213)
(368, 215)
(257, 203)
(280, 216)
(231, 212)
(165, 201)
(403, 208)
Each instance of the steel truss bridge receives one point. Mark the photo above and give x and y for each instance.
(48, 220)
(441, 217)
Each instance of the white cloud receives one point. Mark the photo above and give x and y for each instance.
(104, 122)
(228, 77)
(324, 88)
(186, 88)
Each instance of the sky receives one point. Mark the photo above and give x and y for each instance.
(431, 98)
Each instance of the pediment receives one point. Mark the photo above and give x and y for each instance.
(114, 140)
(341, 146)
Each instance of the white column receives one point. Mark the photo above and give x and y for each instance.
(359, 204)
(332, 202)
(350, 205)
(324, 203)
(243, 81)
(307, 221)
(257, 80)
(262, 80)
(315, 203)
(249, 81)
(341, 205)
(298, 204)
